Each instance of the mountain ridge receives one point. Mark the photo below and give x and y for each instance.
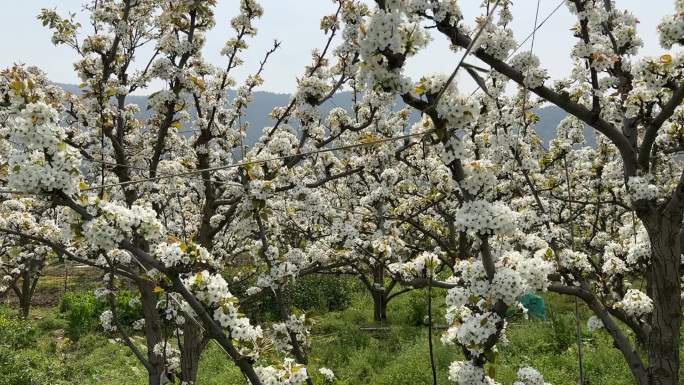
(257, 113)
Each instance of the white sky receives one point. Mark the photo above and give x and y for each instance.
(296, 24)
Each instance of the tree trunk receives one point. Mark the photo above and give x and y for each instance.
(154, 378)
(664, 288)
(24, 306)
(379, 306)
(25, 295)
(191, 351)
(379, 294)
(153, 331)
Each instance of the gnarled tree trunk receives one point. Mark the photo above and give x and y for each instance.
(664, 288)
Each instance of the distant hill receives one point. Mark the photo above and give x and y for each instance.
(549, 117)
(257, 113)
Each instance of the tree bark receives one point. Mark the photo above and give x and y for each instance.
(25, 293)
(379, 294)
(191, 351)
(379, 306)
(153, 331)
(664, 288)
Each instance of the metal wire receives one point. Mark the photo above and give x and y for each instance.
(467, 52)
(260, 161)
(529, 36)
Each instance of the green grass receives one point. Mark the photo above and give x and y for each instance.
(47, 357)
(394, 354)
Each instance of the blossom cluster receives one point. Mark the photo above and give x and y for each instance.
(640, 189)
(41, 160)
(530, 376)
(671, 28)
(635, 303)
(106, 320)
(212, 289)
(289, 373)
(170, 354)
(528, 64)
(467, 373)
(425, 264)
(483, 217)
(480, 177)
(296, 325)
(182, 253)
(576, 261)
(328, 374)
(116, 223)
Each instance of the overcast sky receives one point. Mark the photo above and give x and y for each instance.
(295, 23)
